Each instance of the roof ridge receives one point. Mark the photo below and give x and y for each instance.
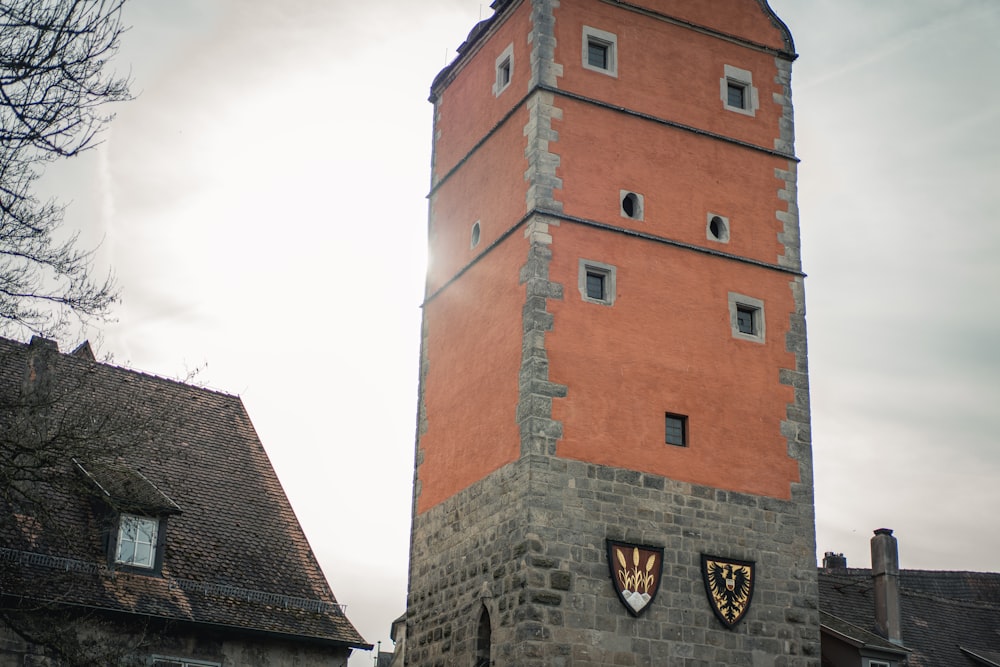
(115, 366)
(952, 601)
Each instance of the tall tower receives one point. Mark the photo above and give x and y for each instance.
(614, 391)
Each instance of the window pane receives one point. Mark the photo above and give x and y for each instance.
(595, 285)
(137, 540)
(675, 431)
(126, 551)
(737, 94)
(143, 555)
(744, 321)
(146, 532)
(597, 54)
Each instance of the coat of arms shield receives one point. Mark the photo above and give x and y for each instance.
(635, 573)
(729, 586)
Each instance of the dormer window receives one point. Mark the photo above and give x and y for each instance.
(136, 516)
(137, 541)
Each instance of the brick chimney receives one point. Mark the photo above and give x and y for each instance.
(885, 577)
(834, 561)
(37, 378)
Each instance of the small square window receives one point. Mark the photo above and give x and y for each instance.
(504, 69)
(737, 95)
(597, 53)
(600, 51)
(597, 282)
(746, 317)
(676, 430)
(595, 285)
(137, 541)
(737, 91)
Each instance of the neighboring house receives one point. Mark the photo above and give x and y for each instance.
(141, 522)
(397, 633)
(887, 617)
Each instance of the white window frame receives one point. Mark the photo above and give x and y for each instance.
(125, 521)
(743, 78)
(739, 302)
(606, 39)
(505, 61)
(610, 283)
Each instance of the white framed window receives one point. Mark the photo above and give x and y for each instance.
(746, 317)
(737, 91)
(504, 70)
(600, 51)
(877, 663)
(137, 541)
(717, 228)
(631, 205)
(597, 282)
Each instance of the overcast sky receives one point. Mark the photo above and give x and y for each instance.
(262, 204)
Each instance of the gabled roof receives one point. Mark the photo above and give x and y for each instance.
(947, 618)
(115, 440)
(855, 636)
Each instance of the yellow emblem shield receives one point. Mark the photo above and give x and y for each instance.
(635, 573)
(729, 586)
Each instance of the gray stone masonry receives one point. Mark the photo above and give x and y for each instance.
(528, 543)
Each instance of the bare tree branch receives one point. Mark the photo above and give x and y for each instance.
(53, 91)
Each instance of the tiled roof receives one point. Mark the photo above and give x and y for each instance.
(235, 555)
(942, 613)
(857, 636)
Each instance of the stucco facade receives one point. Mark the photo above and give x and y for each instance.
(614, 243)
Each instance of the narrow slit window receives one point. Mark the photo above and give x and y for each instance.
(474, 239)
(484, 639)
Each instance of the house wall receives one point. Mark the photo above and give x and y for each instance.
(111, 644)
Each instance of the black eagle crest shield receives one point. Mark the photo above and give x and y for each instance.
(729, 586)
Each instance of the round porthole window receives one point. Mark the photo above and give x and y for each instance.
(631, 205)
(718, 228)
